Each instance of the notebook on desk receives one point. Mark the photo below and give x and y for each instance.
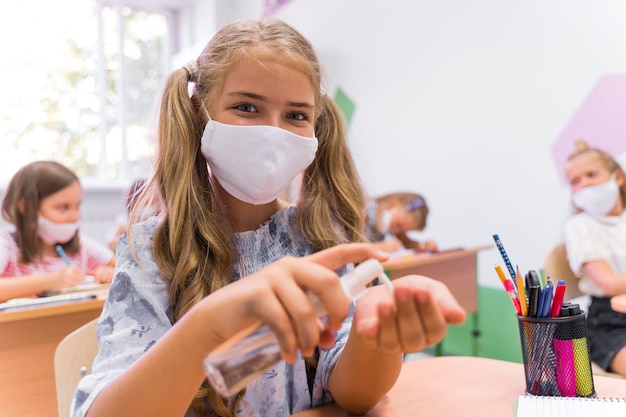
(86, 287)
(21, 303)
(538, 406)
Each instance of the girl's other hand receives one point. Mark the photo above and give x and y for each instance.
(66, 277)
(414, 317)
(430, 246)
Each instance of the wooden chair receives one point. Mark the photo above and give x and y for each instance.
(557, 265)
(72, 361)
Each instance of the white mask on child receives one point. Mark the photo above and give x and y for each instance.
(255, 163)
(53, 233)
(386, 221)
(598, 199)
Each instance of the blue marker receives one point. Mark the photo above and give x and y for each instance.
(545, 300)
(63, 255)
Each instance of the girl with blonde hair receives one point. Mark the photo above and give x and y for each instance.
(226, 254)
(595, 242)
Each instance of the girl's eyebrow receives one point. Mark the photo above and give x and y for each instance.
(259, 97)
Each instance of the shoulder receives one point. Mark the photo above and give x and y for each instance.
(141, 237)
(581, 221)
(8, 242)
(6, 237)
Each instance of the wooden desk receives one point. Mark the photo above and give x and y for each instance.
(455, 268)
(458, 386)
(28, 339)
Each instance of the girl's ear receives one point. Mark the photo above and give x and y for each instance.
(619, 177)
(20, 206)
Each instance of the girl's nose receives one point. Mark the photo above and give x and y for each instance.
(73, 216)
(274, 120)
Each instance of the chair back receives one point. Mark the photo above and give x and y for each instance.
(72, 360)
(557, 265)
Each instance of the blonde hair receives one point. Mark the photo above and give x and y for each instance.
(608, 161)
(193, 245)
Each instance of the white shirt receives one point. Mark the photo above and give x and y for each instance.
(595, 238)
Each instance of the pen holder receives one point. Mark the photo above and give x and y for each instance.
(556, 356)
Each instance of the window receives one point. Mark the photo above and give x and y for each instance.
(58, 102)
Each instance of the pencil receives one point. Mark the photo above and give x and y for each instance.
(504, 255)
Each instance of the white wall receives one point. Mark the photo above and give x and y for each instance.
(462, 101)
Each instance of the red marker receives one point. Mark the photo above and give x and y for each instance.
(557, 301)
(510, 290)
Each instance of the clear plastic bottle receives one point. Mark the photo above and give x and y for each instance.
(240, 360)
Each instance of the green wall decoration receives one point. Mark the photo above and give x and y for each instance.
(346, 105)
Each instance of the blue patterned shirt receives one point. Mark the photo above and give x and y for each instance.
(137, 314)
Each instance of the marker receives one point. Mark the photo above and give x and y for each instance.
(545, 300)
(510, 290)
(521, 293)
(63, 255)
(557, 300)
(534, 292)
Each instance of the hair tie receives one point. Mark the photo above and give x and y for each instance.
(416, 203)
(192, 70)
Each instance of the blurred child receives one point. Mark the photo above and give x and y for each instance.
(595, 240)
(390, 217)
(130, 201)
(43, 202)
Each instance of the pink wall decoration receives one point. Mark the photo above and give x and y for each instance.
(272, 6)
(600, 121)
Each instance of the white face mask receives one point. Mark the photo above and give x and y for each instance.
(386, 221)
(598, 199)
(255, 163)
(53, 233)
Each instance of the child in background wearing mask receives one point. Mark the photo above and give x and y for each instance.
(130, 200)
(595, 240)
(389, 217)
(226, 254)
(43, 202)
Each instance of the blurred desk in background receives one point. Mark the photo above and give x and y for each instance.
(28, 339)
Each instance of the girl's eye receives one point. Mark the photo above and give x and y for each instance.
(297, 116)
(247, 108)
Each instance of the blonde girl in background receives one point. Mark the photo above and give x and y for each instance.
(595, 241)
(43, 202)
(226, 253)
(390, 217)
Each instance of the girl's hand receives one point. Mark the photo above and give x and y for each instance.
(430, 246)
(414, 317)
(103, 275)
(277, 296)
(66, 277)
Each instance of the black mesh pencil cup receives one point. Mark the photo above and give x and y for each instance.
(556, 356)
